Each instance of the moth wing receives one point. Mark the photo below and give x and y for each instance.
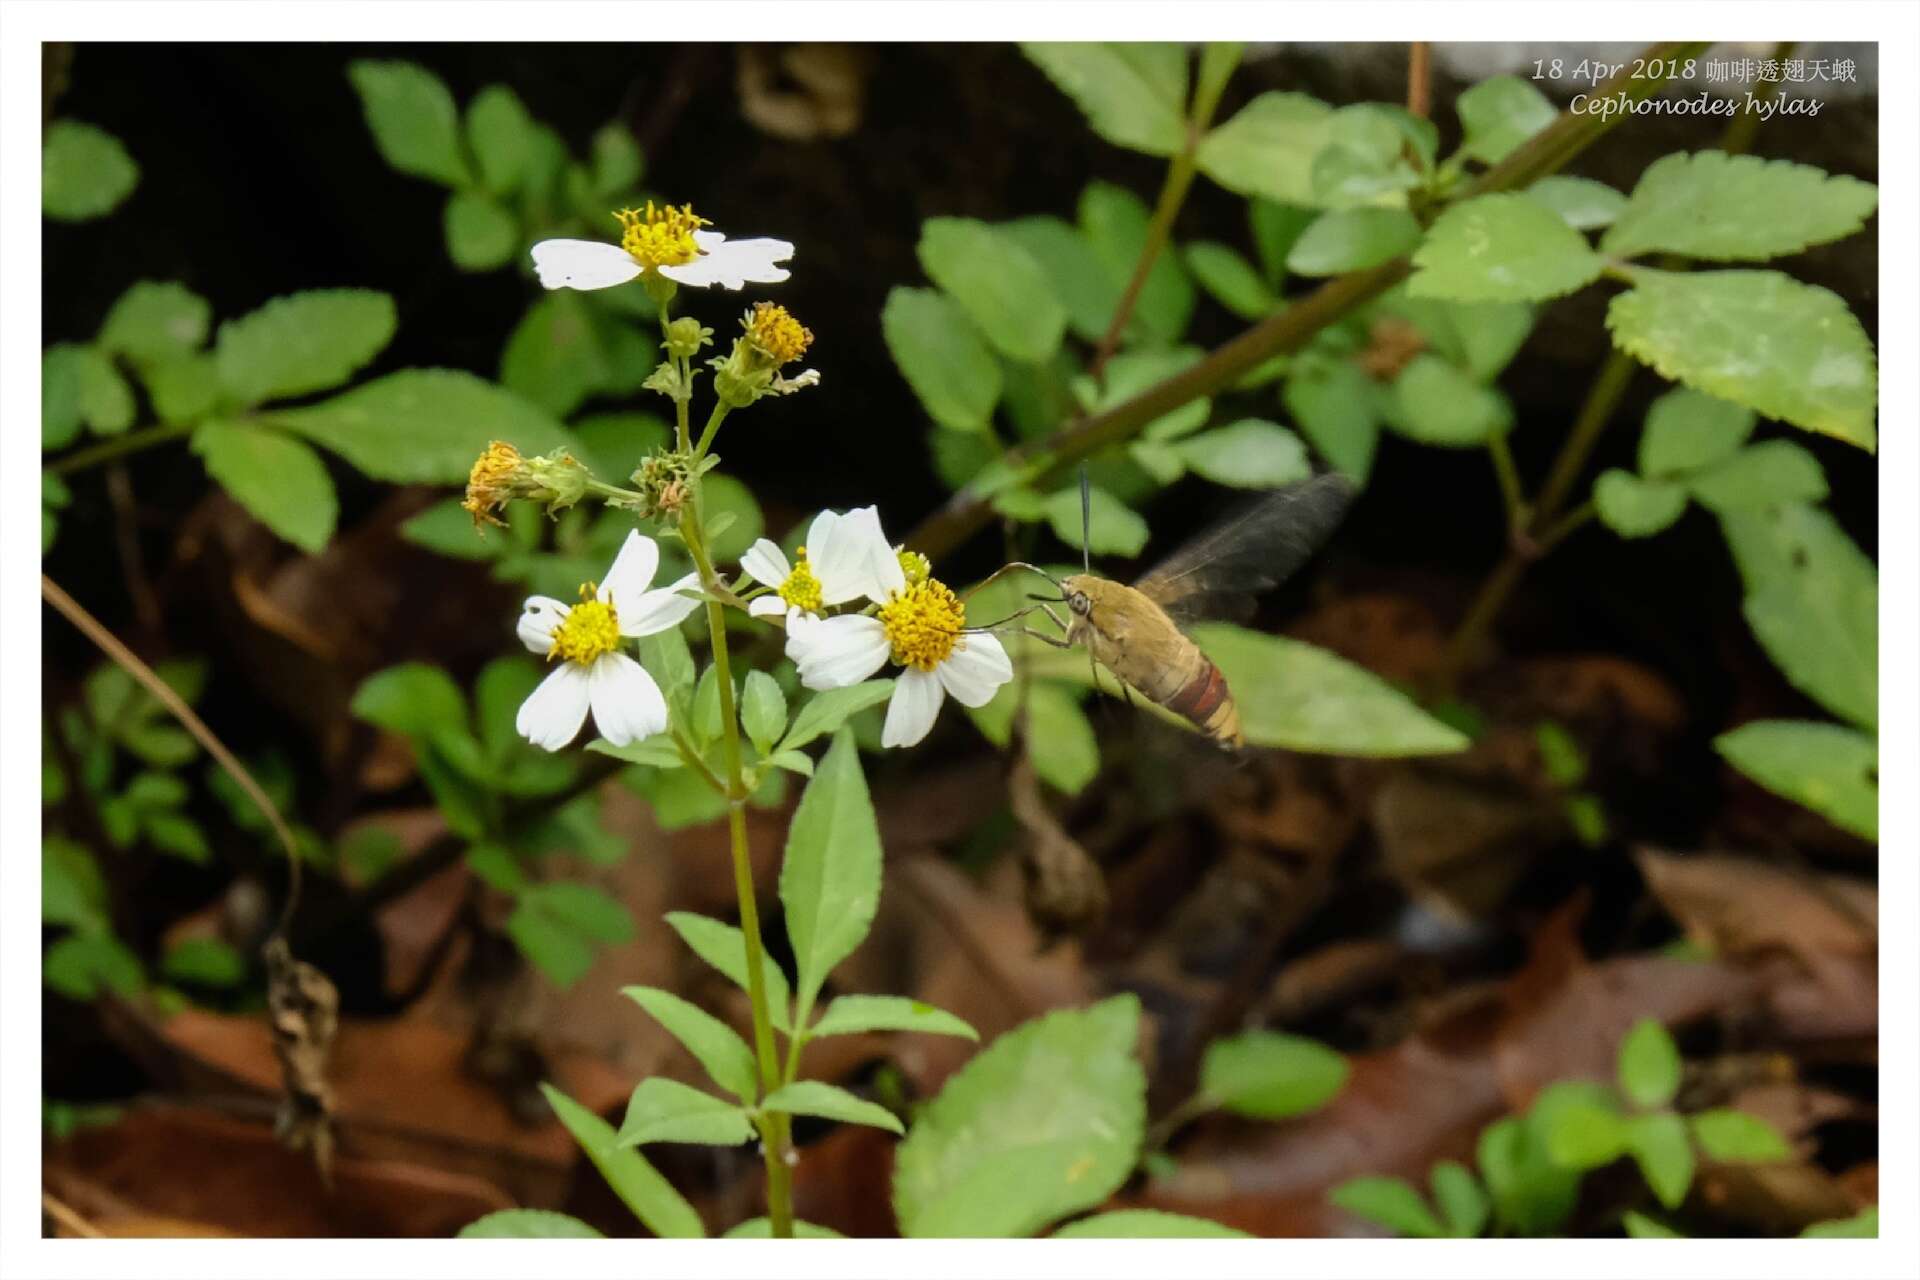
(1252, 550)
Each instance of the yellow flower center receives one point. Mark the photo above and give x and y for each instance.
(802, 589)
(491, 481)
(774, 331)
(660, 236)
(923, 624)
(590, 630)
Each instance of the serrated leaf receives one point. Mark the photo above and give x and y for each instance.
(423, 425)
(1045, 1122)
(1249, 454)
(1686, 430)
(829, 709)
(942, 356)
(717, 1047)
(725, 948)
(1649, 1066)
(1829, 768)
(1435, 402)
(1230, 279)
(85, 172)
(662, 1210)
(414, 121)
(1726, 1134)
(1270, 1076)
(413, 698)
(155, 320)
(1389, 1202)
(1146, 1224)
(663, 1110)
(1499, 114)
(848, 1015)
(1582, 203)
(183, 389)
(1268, 148)
(302, 342)
(1501, 248)
(817, 1098)
(1351, 240)
(1115, 222)
(997, 283)
(1761, 475)
(1731, 208)
(1112, 529)
(80, 385)
(1757, 338)
(279, 480)
(1133, 95)
(500, 132)
(1659, 1145)
(1081, 281)
(830, 879)
(1637, 508)
(528, 1224)
(1294, 695)
(481, 234)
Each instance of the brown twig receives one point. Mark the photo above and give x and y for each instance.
(68, 1217)
(1420, 79)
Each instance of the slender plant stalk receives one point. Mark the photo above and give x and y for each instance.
(1420, 79)
(119, 447)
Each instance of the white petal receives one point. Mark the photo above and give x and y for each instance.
(767, 606)
(658, 610)
(632, 573)
(627, 705)
(554, 712)
(854, 561)
(732, 264)
(912, 708)
(834, 652)
(538, 617)
(582, 264)
(820, 531)
(766, 563)
(975, 670)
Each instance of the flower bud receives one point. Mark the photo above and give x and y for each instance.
(685, 337)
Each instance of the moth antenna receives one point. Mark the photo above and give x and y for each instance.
(1005, 569)
(1086, 521)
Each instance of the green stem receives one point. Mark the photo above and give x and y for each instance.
(1509, 477)
(720, 409)
(119, 447)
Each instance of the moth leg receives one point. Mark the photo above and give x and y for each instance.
(1055, 641)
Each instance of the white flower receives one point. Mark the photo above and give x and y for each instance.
(592, 673)
(667, 241)
(921, 625)
(835, 566)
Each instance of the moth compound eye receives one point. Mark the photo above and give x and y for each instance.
(1078, 602)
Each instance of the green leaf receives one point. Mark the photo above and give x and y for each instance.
(549, 945)
(1230, 279)
(1726, 1134)
(446, 529)
(557, 355)
(1392, 1203)
(1582, 203)
(1830, 769)
(1276, 229)
(1081, 281)
(177, 835)
(1864, 1225)
(1687, 430)
(725, 948)
(762, 1229)
(279, 480)
(183, 389)
(663, 1110)
(942, 356)
(1134, 95)
(1501, 248)
(1761, 475)
(1659, 1146)
(662, 1210)
(830, 879)
(614, 443)
(667, 658)
(850, 1014)
(84, 172)
(302, 342)
(72, 891)
(1585, 1135)
(500, 134)
(156, 321)
(1649, 1067)
(1332, 403)
(423, 426)
(1270, 1076)
(1532, 1196)
(1434, 402)
(1268, 148)
(206, 962)
(816, 1098)
(528, 1224)
(1758, 338)
(587, 910)
(1112, 528)
(481, 233)
(1045, 1122)
(1115, 222)
(1292, 694)
(828, 710)
(413, 698)
(616, 161)
(1060, 740)
(1365, 161)
(1249, 454)
(413, 119)
(1640, 1227)
(1461, 1199)
(717, 1047)
(763, 711)
(80, 385)
(1636, 508)
(1813, 601)
(1146, 1224)
(724, 496)
(1499, 114)
(997, 283)
(1352, 240)
(81, 966)
(1728, 208)
(1132, 372)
